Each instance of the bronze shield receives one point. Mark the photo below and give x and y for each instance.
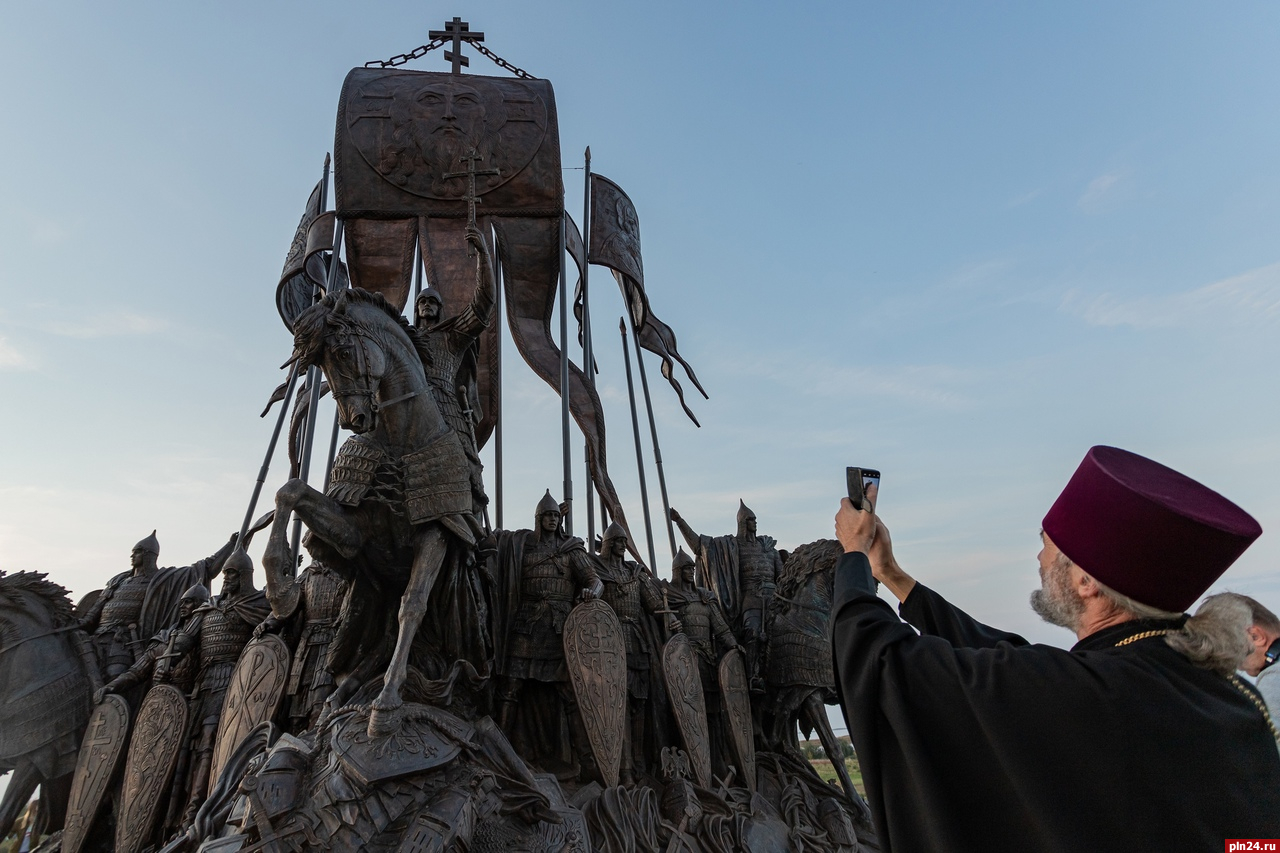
(100, 751)
(684, 690)
(734, 693)
(596, 654)
(158, 736)
(252, 696)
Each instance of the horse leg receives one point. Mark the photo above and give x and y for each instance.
(816, 713)
(54, 794)
(428, 557)
(22, 784)
(324, 517)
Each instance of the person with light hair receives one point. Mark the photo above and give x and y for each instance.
(1263, 633)
(1141, 737)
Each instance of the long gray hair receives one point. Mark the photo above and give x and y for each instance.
(1213, 638)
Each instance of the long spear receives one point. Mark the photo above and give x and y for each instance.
(635, 429)
(653, 431)
(564, 383)
(288, 394)
(588, 361)
(313, 376)
(497, 422)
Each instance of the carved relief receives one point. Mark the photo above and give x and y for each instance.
(252, 696)
(737, 706)
(100, 751)
(684, 689)
(153, 751)
(596, 654)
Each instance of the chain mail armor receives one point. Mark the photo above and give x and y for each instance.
(704, 625)
(309, 682)
(631, 595)
(116, 639)
(549, 581)
(223, 636)
(757, 574)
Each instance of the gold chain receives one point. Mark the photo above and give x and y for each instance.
(1127, 640)
(1258, 703)
(1239, 685)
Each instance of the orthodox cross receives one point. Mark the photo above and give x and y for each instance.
(471, 174)
(457, 31)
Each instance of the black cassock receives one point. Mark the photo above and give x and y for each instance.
(972, 739)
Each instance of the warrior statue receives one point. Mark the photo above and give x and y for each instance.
(630, 590)
(449, 354)
(137, 604)
(156, 660)
(215, 635)
(310, 620)
(699, 618)
(539, 574)
(742, 570)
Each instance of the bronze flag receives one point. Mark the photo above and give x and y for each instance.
(100, 751)
(408, 146)
(596, 655)
(615, 243)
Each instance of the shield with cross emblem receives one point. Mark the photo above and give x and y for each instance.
(688, 704)
(252, 696)
(736, 699)
(596, 655)
(100, 751)
(159, 735)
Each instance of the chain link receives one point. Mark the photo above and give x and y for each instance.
(418, 53)
(502, 63)
(402, 58)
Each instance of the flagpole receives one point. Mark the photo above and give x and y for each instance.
(653, 431)
(635, 429)
(497, 355)
(564, 381)
(588, 358)
(313, 377)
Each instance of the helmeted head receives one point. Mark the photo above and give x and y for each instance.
(427, 307)
(195, 596)
(683, 568)
(237, 573)
(746, 520)
(145, 553)
(548, 515)
(613, 542)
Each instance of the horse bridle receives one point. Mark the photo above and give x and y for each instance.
(368, 390)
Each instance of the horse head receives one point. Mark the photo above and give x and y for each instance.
(358, 339)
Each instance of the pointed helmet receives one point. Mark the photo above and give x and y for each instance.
(612, 532)
(547, 504)
(150, 545)
(240, 562)
(197, 593)
(744, 512)
(678, 562)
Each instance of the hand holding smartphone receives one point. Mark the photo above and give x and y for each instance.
(857, 481)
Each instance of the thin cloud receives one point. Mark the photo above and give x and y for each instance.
(10, 358)
(1248, 299)
(112, 324)
(1101, 190)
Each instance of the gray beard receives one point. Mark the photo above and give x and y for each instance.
(1055, 602)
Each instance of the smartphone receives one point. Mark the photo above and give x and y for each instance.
(857, 480)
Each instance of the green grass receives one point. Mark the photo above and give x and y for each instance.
(828, 772)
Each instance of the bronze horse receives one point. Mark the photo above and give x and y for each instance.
(399, 507)
(44, 695)
(799, 671)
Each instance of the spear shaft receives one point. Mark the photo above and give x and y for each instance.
(588, 358)
(635, 429)
(653, 431)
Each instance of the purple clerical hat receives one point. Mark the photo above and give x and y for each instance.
(1145, 530)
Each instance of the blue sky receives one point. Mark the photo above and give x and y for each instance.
(958, 242)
